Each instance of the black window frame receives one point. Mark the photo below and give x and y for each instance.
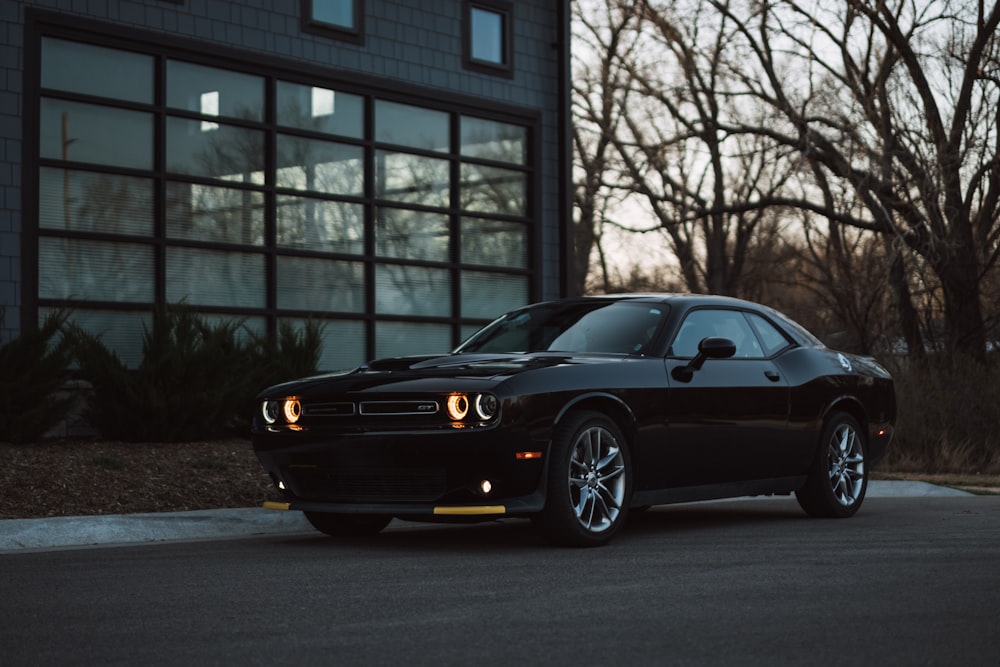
(354, 34)
(43, 24)
(506, 11)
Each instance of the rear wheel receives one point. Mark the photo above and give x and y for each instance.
(347, 525)
(838, 479)
(589, 481)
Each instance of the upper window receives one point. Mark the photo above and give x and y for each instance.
(341, 19)
(488, 37)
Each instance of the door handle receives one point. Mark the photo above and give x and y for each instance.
(773, 376)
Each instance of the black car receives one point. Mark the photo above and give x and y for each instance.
(575, 412)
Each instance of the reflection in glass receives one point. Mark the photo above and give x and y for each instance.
(214, 92)
(491, 140)
(335, 12)
(487, 35)
(119, 331)
(94, 270)
(318, 224)
(489, 295)
(210, 213)
(320, 109)
(343, 345)
(84, 68)
(215, 278)
(412, 290)
(320, 166)
(306, 283)
(229, 153)
(397, 339)
(411, 179)
(96, 134)
(411, 126)
(494, 243)
(493, 190)
(94, 202)
(412, 234)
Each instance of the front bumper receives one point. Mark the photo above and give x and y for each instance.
(419, 474)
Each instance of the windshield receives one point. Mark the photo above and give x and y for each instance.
(620, 327)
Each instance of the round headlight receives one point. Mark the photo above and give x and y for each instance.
(292, 410)
(458, 406)
(269, 411)
(487, 406)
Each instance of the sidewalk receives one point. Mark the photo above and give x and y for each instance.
(18, 535)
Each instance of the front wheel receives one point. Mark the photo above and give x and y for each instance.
(838, 478)
(589, 481)
(347, 525)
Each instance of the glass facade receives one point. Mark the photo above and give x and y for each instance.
(254, 196)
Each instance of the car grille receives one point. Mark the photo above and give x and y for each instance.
(376, 485)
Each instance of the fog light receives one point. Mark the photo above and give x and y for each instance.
(486, 486)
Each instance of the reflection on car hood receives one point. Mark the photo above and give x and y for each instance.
(401, 372)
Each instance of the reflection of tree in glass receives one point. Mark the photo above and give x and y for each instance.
(93, 202)
(412, 179)
(320, 224)
(412, 234)
(492, 190)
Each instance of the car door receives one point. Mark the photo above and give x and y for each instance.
(727, 421)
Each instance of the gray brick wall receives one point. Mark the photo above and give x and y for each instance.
(418, 42)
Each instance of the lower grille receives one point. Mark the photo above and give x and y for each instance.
(374, 485)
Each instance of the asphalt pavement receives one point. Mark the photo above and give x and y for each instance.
(19, 535)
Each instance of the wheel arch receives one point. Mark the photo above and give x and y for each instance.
(607, 404)
(851, 406)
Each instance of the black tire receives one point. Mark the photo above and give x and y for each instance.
(838, 479)
(589, 482)
(347, 525)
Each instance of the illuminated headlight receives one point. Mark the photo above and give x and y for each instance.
(487, 406)
(289, 409)
(459, 406)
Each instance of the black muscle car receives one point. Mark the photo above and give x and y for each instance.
(573, 412)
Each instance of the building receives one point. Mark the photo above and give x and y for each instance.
(397, 169)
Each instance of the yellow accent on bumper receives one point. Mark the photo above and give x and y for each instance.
(470, 510)
(272, 505)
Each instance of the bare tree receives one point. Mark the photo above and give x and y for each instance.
(604, 39)
(896, 102)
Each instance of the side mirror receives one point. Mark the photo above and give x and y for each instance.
(709, 348)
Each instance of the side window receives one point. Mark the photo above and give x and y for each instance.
(730, 324)
(770, 336)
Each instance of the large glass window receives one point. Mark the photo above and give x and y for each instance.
(398, 225)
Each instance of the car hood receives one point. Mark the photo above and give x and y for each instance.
(428, 373)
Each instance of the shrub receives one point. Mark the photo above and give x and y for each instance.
(196, 381)
(33, 369)
(949, 409)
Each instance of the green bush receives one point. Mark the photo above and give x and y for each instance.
(949, 416)
(196, 381)
(33, 370)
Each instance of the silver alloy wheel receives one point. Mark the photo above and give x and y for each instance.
(847, 465)
(597, 479)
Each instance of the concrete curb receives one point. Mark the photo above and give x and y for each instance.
(80, 531)
(17, 535)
